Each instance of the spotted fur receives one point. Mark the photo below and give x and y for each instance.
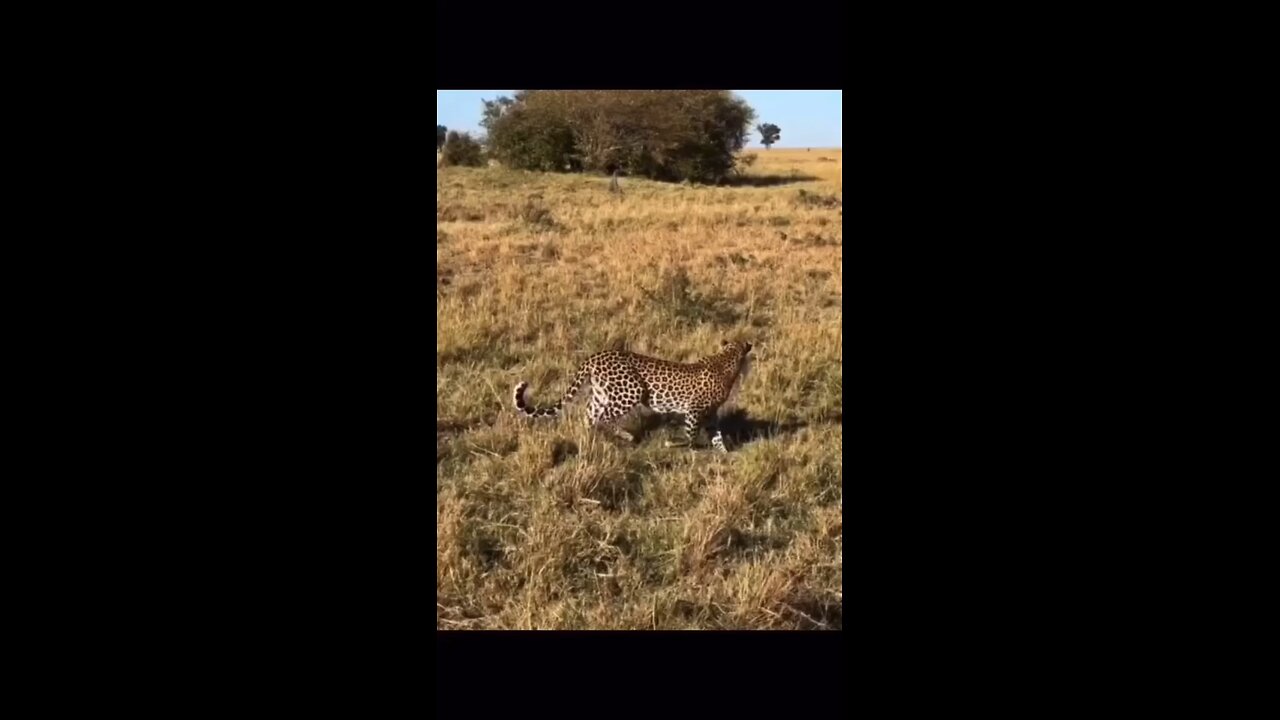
(620, 381)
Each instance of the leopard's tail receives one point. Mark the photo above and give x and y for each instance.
(553, 410)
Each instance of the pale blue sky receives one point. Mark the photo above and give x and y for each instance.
(808, 118)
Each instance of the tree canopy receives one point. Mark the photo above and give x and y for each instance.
(769, 134)
(660, 134)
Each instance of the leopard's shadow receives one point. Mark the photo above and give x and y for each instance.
(737, 426)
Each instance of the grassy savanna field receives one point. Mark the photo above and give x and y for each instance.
(543, 524)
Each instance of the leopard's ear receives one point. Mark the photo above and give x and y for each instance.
(748, 347)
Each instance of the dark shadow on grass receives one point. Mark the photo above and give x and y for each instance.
(738, 428)
(813, 612)
(749, 543)
(444, 427)
(620, 494)
(453, 427)
(562, 450)
(767, 180)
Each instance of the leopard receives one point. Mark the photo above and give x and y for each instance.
(621, 380)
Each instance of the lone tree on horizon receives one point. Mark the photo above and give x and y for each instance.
(769, 134)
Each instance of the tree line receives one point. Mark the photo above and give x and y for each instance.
(668, 135)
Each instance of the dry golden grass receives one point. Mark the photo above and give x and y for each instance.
(544, 524)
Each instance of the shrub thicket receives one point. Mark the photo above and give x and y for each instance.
(660, 134)
(462, 149)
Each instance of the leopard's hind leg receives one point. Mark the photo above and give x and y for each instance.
(612, 399)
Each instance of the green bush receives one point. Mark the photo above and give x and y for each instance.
(462, 149)
(668, 135)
